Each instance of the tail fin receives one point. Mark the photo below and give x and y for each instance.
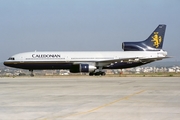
(153, 43)
(155, 40)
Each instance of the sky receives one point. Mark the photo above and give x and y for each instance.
(85, 25)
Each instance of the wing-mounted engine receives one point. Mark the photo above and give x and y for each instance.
(76, 68)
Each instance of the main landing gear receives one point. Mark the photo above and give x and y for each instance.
(32, 75)
(97, 73)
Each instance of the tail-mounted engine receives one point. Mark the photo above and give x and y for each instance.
(134, 46)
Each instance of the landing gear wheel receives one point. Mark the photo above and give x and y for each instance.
(32, 75)
(97, 73)
(91, 73)
(103, 73)
(100, 73)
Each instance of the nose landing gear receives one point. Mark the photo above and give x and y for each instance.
(32, 75)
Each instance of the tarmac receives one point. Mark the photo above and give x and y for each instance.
(90, 98)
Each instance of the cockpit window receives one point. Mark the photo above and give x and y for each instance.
(11, 58)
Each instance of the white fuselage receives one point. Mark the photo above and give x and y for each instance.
(93, 56)
(77, 61)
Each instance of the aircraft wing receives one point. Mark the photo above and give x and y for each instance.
(134, 59)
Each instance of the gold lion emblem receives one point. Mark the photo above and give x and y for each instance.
(156, 39)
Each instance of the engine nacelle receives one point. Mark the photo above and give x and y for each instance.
(82, 68)
(133, 46)
(137, 46)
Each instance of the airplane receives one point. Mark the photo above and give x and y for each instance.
(94, 62)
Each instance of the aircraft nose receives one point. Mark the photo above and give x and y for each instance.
(5, 63)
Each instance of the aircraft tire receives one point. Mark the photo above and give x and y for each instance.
(103, 73)
(97, 73)
(91, 73)
(32, 75)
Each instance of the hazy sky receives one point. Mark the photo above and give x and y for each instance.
(61, 25)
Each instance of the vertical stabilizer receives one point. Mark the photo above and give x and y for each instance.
(153, 43)
(156, 39)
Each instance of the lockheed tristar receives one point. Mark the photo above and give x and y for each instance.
(94, 62)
